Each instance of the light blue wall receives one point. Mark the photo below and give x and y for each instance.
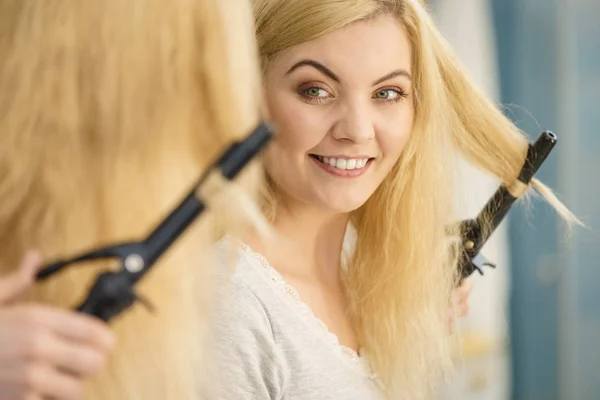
(586, 172)
(550, 67)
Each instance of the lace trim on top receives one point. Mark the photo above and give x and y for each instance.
(356, 359)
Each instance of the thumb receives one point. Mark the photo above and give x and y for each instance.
(16, 284)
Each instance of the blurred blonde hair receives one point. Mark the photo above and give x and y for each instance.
(109, 112)
(403, 268)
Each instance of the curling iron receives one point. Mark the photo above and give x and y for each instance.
(113, 291)
(474, 233)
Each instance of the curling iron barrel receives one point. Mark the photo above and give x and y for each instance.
(475, 233)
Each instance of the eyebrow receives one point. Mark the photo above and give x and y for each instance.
(393, 74)
(329, 73)
(316, 65)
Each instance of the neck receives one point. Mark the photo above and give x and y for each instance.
(313, 238)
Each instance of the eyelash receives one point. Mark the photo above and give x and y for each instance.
(312, 99)
(319, 100)
(401, 94)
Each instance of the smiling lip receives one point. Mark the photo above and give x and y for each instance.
(343, 173)
(345, 157)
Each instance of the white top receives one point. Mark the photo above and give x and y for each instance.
(268, 344)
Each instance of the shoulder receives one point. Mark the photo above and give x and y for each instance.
(246, 303)
(237, 275)
(234, 260)
(240, 273)
(246, 354)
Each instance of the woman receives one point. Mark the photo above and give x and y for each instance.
(370, 103)
(109, 112)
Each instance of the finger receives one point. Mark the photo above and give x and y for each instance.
(71, 326)
(46, 382)
(47, 348)
(85, 329)
(75, 358)
(43, 347)
(461, 293)
(455, 298)
(16, 283)
(63, 386)
(12, 383)
(464, 309)
(466, 287)
(464, 297)
(451, 319)
(459, 309)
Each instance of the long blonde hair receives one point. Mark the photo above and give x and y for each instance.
(109, 112)
(403, 268)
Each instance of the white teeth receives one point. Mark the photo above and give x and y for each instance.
(344, 163)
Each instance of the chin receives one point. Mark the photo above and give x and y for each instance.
(344, 205)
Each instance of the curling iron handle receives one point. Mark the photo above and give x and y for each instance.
(110, 295)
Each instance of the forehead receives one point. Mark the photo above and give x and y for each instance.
(365, 48)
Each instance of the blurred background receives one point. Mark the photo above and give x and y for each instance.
(534, 327)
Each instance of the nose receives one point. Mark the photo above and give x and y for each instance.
(355, 124)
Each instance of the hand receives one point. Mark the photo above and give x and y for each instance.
(45, 352)
(459, 303)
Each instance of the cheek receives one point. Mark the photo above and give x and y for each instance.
(300, 126)
(284, 157)
(394, 136)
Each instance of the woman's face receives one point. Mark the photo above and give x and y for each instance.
(343, 107)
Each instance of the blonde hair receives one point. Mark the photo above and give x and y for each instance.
(403, 268)
(109, 112)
